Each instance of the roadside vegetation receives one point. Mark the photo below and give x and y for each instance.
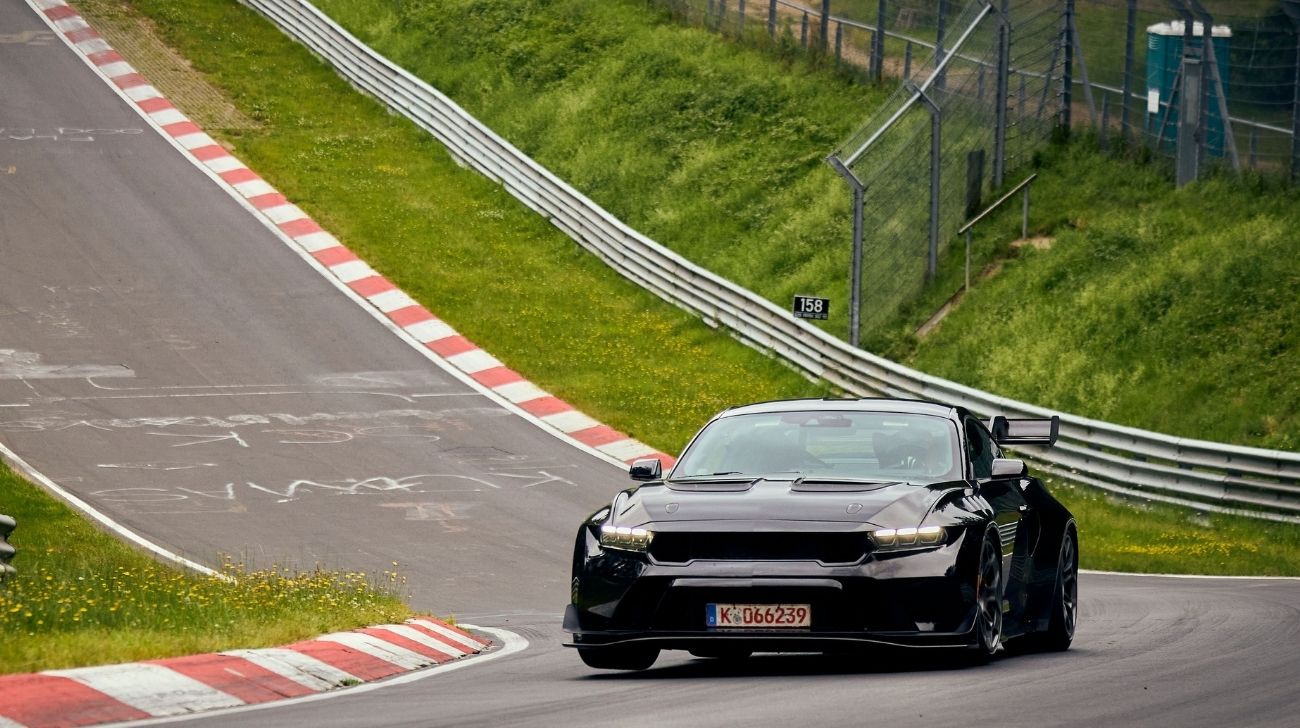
(717, 150)
(82, 595)
(1173, 310)
(560, 317)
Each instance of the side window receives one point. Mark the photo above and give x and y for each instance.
(980, 449)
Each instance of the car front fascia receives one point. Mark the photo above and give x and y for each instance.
(618, 596)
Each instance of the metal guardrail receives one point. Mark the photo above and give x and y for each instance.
(7, 551)
(1206, 475)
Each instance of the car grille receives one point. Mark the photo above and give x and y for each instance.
(830, 548)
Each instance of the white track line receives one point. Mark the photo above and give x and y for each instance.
(21, 465)
(1189, 576)
(510, 644)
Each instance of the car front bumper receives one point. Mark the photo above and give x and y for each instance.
(914, 599)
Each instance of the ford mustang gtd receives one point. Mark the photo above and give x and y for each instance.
(815, 525)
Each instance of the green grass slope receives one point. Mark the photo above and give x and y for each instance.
(715, 150)
(1173, 310)
(1158, 309)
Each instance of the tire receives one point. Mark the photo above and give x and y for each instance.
(635, 657)
(988, 599)
(1065, 597)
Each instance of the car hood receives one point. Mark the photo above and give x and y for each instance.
(890, 505)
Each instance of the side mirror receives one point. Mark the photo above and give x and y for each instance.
(1009, 468)
(646, 469)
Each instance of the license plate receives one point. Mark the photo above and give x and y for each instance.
(758, 616)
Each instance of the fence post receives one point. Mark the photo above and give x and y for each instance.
(855, 264)
(1295, 102)
(938, 39)
(907, 61)
(803, 31)
(740, 19)
(771, 18)
(1130, 32)
(1292, 10)
(878, 44)
(1103, 134)
(1004, 67)
(1212, 64)
(1024, 216)
(1254, 146)
(936, 153)
(1067, 68)
(1190, 133)
(825, 39)
(839, 42)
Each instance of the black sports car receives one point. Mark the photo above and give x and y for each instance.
(815, 525)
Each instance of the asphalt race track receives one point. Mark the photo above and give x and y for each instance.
(168, 359)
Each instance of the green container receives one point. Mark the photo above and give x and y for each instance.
(1164, 57)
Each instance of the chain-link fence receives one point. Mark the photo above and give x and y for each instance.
(986, 82)
(1150, 70)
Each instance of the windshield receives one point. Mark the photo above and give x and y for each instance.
(878, 446)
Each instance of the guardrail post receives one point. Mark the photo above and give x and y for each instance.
(1130, 31)
(771, 19)
(1254, 146)
(825, 39)
(7, 525)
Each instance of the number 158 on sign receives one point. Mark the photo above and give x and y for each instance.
(811, 307)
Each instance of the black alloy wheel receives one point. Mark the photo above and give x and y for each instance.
(635, 657)
(988, 599)
(1065, 599)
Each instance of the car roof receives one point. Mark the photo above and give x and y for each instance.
(866, 404)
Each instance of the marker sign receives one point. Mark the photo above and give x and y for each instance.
(811, 307)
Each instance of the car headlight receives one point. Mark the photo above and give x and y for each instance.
(887, 539)
(624, 538)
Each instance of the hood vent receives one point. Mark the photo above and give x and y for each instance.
(712, 485)
(826, 485)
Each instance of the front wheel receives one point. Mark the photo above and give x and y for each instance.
(988, 599)
(619, 658)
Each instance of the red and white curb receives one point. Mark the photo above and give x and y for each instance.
(484, 371)
(232, 679)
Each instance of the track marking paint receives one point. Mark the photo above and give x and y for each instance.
(510, 644)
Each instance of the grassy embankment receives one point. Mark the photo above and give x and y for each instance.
(83, 597)
(716, 151)
(444, 233)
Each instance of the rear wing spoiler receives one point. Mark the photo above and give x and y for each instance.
(1025, 431)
